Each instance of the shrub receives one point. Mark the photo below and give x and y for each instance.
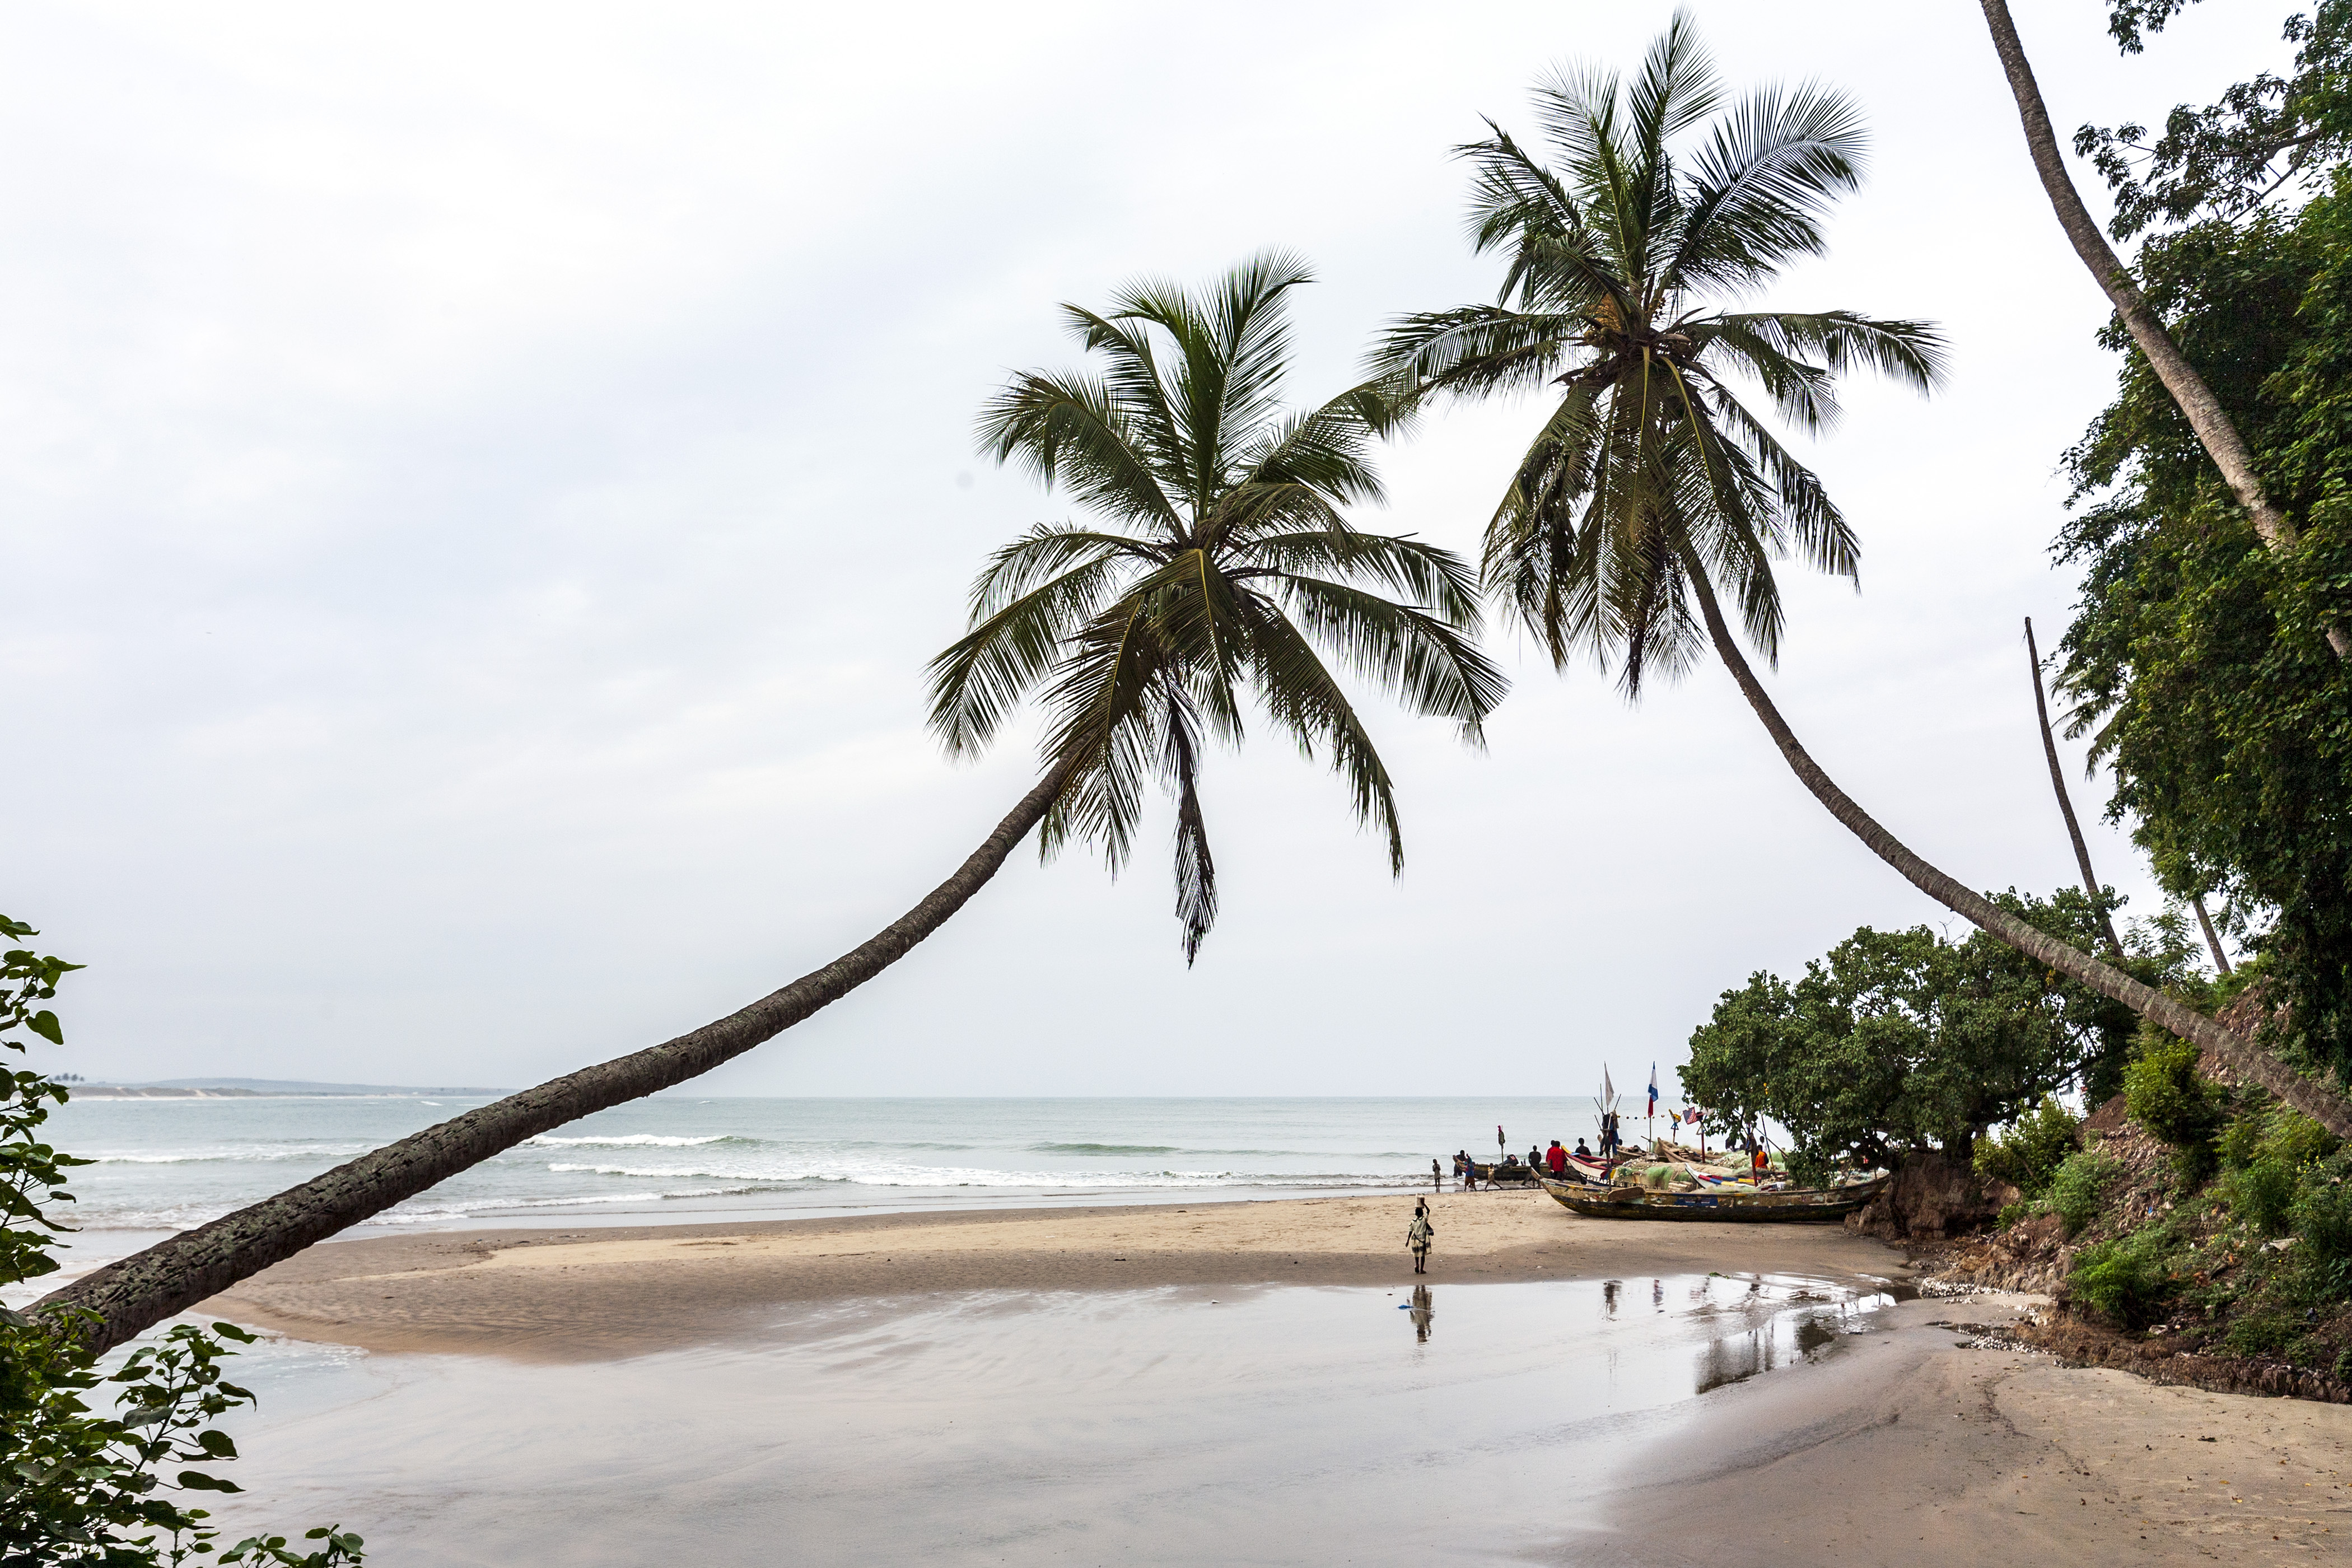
(2165, 1096)
(2029, 1153)
(2076, 1187)
(2262, 1334)
(2323, 1218)
(2295, 1140)
(2127, 1280)
(2262, 1195)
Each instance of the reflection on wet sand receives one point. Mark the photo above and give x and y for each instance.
(1423, 1309)
(1818, 1322)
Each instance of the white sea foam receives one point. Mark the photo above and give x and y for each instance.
(634, 1140)
(951, 1176)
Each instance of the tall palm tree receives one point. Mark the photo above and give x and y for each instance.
(1652, 491)
(1224, 558)
(1219, 558)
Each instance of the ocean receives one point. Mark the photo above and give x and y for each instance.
(168, 1164)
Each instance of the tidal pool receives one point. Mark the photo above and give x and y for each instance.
(1281, 1425)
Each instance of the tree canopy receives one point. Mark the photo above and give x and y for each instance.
(1903, 1041)
(2197, 658)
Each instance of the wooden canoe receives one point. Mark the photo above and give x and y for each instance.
(1719, 1205)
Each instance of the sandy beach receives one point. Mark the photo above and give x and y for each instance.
(1090, 1384)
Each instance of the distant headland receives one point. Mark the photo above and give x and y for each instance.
(259, 1089)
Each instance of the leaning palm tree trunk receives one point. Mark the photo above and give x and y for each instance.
(2212, 937)
(2313, 1100)
(134, 1294)
(2206, 416)
(2065, 802)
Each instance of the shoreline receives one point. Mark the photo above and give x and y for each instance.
(607, 1291)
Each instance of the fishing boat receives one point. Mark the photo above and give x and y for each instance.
(1505, 1175)
(1725, 1202)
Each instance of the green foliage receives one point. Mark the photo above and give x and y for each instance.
(2029, 1153)
(2078, 1185)
(2262, 1195)
(2232, 155)
(2322, 1216)
(1219, 563)
(1903, 1040)
(2270, 1153)
(32, 1173)
(341, 1546)
(2262, 1334)
(2165, 1096)
(2127, 1281)
(78, 1487)
(2197, 655)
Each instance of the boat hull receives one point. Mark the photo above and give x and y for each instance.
(1716, 1207)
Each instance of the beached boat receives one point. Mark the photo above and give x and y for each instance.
(1721, 1203)
(1506, 1174)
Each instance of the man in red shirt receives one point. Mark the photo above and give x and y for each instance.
(1557, 1158)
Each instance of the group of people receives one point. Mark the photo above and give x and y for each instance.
(1552, 1161)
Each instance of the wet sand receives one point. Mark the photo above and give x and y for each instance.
(1136, 1384)
(593, 1294)
(1914, 1449)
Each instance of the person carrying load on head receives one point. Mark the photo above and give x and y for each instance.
(1418, 1235)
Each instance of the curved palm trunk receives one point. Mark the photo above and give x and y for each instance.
(141, 1291)
(2206, 416)
(2065, 802)
(2313, 1100)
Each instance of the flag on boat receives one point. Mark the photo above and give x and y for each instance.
(1692, 1115)
(1653, 1090)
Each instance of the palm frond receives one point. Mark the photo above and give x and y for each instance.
(1307, 703)
(1072, 431)
(1434, 669)
(979, 679)
(1760, 188)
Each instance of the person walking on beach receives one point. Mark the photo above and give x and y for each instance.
(1436, 1176)
(1419, 1234)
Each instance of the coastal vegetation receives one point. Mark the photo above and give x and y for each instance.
(2209, 1219)
(1897, 1043)
(78, 1485)
(2202, 1212)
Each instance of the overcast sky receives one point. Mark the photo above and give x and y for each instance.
(482, 484)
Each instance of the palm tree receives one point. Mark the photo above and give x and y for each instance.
(1219, 559)
(1225, 556)
(1652, 490)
